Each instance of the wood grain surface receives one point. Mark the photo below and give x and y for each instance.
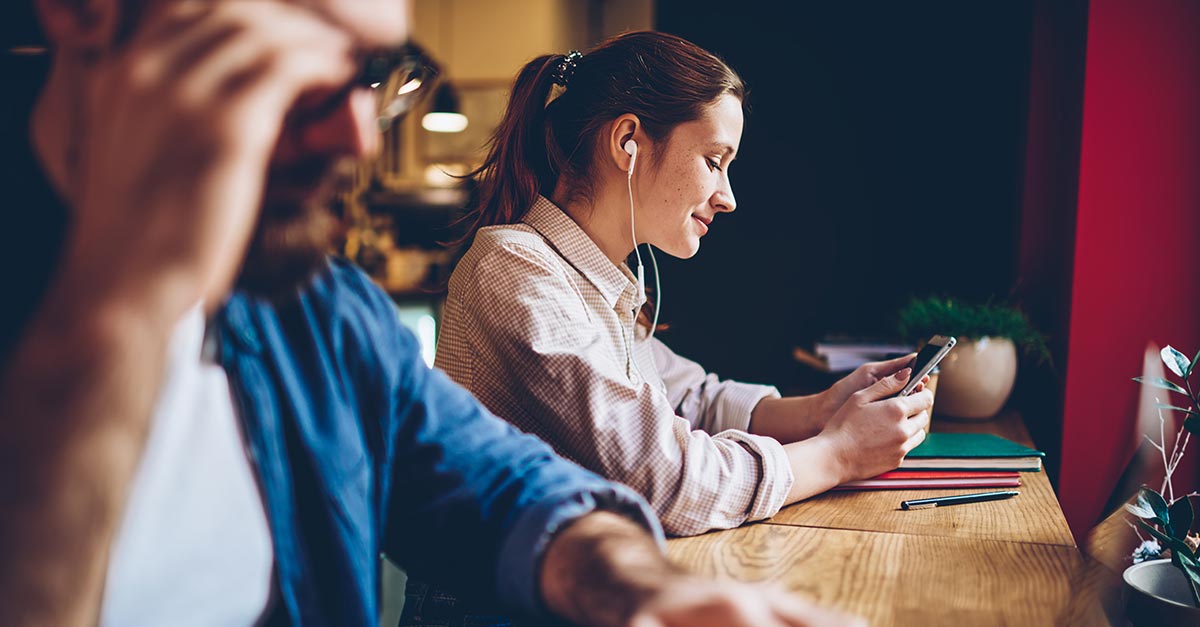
(1033, 516)
(901, 579)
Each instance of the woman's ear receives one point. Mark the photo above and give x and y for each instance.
(625, 128)
(82, 25)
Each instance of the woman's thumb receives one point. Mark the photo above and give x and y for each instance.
(888, 386)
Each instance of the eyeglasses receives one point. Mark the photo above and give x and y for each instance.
(400, 78)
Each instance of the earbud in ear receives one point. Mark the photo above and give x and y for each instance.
(631, 148)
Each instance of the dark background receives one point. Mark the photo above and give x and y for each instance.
(882, 159)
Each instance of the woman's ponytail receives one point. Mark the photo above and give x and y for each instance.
(517, 166)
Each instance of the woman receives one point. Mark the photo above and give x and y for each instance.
(546, 323)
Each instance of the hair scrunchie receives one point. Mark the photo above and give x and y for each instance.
(566, 67)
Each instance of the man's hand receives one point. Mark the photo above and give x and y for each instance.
(603, 570)
(181, 126)
(695, 602)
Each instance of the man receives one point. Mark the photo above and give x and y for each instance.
(203, 419)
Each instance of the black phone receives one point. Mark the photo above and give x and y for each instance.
(933, 352)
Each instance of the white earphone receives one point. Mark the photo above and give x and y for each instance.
(631, 148)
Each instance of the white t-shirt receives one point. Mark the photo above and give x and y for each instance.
(194, 546)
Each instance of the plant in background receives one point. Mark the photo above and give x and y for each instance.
(924, 317)
(1167, 518)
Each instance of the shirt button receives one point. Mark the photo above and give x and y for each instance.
(633, 378)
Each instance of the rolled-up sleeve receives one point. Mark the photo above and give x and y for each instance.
(703, 398)
(540, 359)
(522, 553)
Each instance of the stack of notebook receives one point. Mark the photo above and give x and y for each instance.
(958, 460)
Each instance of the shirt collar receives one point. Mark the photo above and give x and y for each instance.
(613, 281)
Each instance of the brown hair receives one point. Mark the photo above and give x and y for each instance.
(663, 79)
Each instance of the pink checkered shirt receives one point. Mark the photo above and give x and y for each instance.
(537, 326)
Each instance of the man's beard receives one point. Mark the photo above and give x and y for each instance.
(296, 229)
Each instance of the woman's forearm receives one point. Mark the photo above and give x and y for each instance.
(789, 419)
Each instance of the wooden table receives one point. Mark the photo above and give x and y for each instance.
(1011, 562)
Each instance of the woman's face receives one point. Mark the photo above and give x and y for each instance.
(687, 185)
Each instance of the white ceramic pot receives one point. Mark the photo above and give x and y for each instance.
(1156, 594)
(976, 378)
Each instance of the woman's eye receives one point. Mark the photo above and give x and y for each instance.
(713, 164)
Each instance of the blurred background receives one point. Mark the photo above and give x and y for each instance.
(1042, 154)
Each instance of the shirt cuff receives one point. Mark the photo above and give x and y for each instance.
(736, 402)
(776, 479)
(519, 568)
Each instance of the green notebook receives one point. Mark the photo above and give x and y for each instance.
(971, 451)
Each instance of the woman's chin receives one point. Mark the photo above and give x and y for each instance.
(682, 250)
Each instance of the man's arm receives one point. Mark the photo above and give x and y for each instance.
(604, 570)
(72, 406)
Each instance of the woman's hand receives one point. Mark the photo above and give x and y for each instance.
(874, 429)
(863, 377)
(798, 418)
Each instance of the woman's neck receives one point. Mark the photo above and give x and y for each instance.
(604, 217)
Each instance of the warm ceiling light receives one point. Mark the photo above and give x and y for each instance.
(445, 116)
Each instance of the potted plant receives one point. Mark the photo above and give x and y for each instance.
(977, 377)
(1167, 591)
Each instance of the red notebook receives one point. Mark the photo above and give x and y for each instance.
(906, 479)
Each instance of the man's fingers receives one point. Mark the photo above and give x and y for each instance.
(799, 612)
(646, 621)
(296, 54)
(218, 41)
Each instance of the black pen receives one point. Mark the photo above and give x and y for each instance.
(956, 500)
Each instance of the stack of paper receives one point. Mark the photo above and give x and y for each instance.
(957, 460)
(843, 356)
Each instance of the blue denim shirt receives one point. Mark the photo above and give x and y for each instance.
(362, 451)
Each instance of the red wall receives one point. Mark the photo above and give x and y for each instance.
(1136, 263)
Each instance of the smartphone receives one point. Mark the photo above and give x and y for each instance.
(935, 349)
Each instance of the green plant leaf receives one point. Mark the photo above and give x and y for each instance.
(1190, 561)
(924, 316)
(1177, 546)
(1150, 506)
(1176, 361)
(1181, 518)
(1177, 408)
(1160, 382)
(1141, 510)
(1192, 424)
(1190, 568)
(1142, 507)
